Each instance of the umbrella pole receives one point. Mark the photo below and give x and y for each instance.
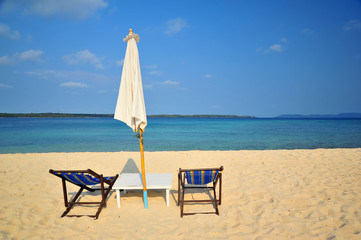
(145, 194)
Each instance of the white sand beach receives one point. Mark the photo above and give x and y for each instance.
(271, 194)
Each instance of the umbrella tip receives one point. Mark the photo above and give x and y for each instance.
(130, 31)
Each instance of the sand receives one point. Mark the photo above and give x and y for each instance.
(276, 194)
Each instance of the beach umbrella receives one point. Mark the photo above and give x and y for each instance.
(130, 107)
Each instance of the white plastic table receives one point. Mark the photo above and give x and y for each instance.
(133, 181)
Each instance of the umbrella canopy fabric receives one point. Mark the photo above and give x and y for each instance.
(130, 107)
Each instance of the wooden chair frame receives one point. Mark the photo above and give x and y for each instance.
(104, 192)
(182, 186)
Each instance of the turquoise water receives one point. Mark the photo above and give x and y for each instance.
(28, 135)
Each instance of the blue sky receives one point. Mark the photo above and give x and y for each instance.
(259, 58)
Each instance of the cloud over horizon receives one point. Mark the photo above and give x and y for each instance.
(152, 70)
(174, 26)
(4, 60)
(75, 9)
(6, 31)
(74, 85)
(277, 48)
(207, 75)
(306, 31)
(2, 85)
(119, 63)
(26, 56)
(30, 55)
(84, 57)
(68, 75)
(170, 82)
(352, 25)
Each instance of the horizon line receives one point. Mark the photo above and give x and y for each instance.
(105, 115)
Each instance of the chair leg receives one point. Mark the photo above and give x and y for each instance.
(182, 202)
(71, 204)
(216, 206)
(215, 200)
(104, 196)
(102, 188)
(99, 210)
(179, 179)
(220, 189)
(65, 193)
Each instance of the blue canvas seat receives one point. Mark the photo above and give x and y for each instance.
(81, 178)
(206, 178)
(201, 177)
(84, 179)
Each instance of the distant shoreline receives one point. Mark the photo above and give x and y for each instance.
(76, 115)
(85, 115)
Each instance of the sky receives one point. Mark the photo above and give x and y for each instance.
(252, 57)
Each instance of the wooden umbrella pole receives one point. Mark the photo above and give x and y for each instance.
(143, 168)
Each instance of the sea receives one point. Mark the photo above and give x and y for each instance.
(43, 135)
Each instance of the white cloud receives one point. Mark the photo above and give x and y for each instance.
(170, 82)
(5, 86)
(75, 9)
(45, 74)
(306, 31)
(120, 63)
(208, 75)
(175, 26)
(6, 31)
(215, 107)
(285, 40)
(83, 57)
(274, 48)
(352, 25)
(148, 86)
(151, 67)
(30, 55)
(113, 11)
(152, 70)
(29, 37)
(4, 60)
(69, 75)
(154, 73)
(74, 85)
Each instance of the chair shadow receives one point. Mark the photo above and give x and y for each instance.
(207, 191)
(200, 191)
(95, 194)
(172, 192)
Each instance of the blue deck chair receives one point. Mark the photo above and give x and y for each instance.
(84, 179)
(203, 178)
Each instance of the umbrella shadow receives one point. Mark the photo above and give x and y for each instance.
(173, 193)
(130, 167)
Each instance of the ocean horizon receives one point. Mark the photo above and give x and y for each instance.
(42, 135)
